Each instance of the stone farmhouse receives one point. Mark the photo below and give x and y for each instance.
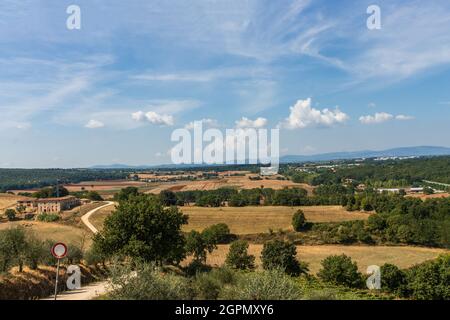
(48, 205)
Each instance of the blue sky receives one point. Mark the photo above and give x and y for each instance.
(114, 91)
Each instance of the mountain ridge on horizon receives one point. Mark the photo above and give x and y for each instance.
(418, 151)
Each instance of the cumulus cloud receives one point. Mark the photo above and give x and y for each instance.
(247, 123)
(94, 124)
(206, 123)
(381, 117)
(303, 115)
(153, 117)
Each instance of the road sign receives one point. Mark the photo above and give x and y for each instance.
(59, 250)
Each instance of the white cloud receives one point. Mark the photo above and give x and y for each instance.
(247, 123)
(372, 105)
(94, 124)
(403, 117)
(303, 115)
(153, 117)
(381, 117)
(207, 122)
(378, 117)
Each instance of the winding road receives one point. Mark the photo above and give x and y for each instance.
(85, 218)
(93, 290)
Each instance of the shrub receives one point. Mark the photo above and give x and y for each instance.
(271, 284)
(393, 279)
(147, 282)
(10, 214)
(215, 234)
(48, 217)
(238, 256)
(94, 196)
(430, 280)
(282, 255)
(74, 254)
(340, 270)
(298, 220)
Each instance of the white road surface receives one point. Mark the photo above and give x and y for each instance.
(92, 290)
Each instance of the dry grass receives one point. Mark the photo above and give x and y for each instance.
(8, 201)
(365, 256)
(99, 217)
(53, 231)
(251, 220)
(239, 182)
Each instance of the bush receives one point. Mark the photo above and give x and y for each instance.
(282, 255)
(74, 254)
(263, 285)
(147, 282)
(430, 280)
(298, 220)
(238, 256)
(10, 214)
(94, 196)
(48, 217)
(218, 233)
(340, 270)
(393, 279)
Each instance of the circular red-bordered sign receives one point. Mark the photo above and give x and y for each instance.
(59, 250)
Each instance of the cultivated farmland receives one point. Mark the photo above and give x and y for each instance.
(251, 220)
(402, 256)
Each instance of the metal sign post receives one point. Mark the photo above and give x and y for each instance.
(59, 251)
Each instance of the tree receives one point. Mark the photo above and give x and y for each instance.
(217, 233)
(126, 193)
(428, 190)
(10, 214)
(168, 198)
(51, 192)
(94, 196)
(392, 279)
(35, 252)
(238, 256)
(196, 246)
(200, 244)
(430, 280)
(13, 247)
(340, 270)
(299, 220)
(281, 254)
(142, 228)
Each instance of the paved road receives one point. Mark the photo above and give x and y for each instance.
(85, 218)
(92, 290)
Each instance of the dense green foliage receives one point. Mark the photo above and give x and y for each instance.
(19, 247)
(37, 178)
(390, 173)
(141, 227)
(238, 257)
(298, 220)
(282, 255)
(341, 270)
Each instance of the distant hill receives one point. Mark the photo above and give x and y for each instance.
(420, 151)
(396, 152)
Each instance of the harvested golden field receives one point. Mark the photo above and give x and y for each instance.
(8, 201)
(103, 185)
(365, 256)
(250, 220)
(238, 182)
(429, 196)
(54, 231)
